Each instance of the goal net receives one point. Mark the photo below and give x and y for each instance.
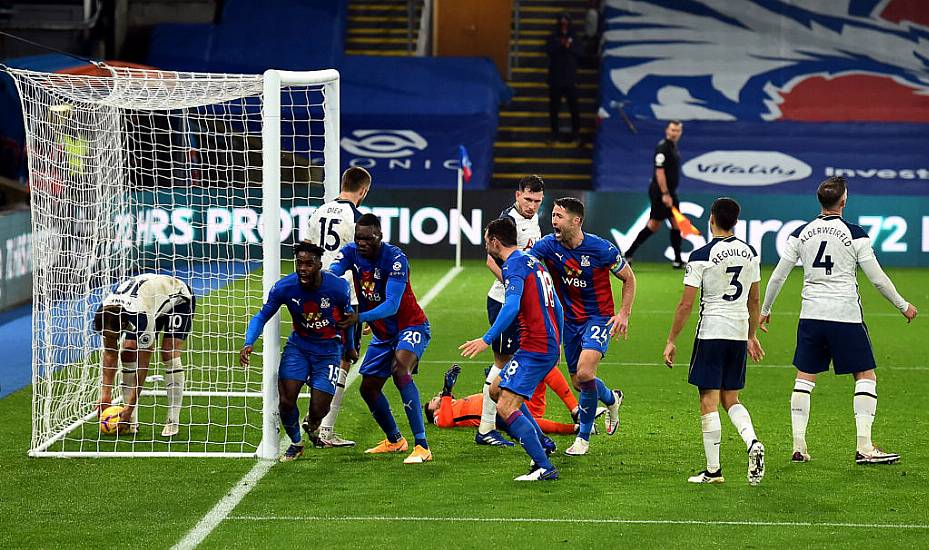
(209, 178)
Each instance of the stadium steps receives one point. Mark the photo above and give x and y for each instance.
(379, 27)
(522, 145)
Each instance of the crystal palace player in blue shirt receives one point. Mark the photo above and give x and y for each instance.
(319, 304)
(401, 333)
(530, 300)
(581, 264)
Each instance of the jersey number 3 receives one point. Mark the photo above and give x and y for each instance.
(735, 270)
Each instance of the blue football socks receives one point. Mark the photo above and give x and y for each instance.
(291, 422)
(588, 408)
(409, 393)
(521, 429)
(605, 394)
(385, 419)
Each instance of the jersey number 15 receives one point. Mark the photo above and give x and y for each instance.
(327, 230)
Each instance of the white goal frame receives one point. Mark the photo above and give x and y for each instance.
(274, 82)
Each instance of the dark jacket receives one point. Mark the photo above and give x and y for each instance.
(562, 59)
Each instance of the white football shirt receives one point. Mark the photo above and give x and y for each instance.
(527, 233)
(830, 249)
(151, 295)
(724, 270)
(332, 226)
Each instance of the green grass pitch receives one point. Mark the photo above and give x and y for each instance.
(630, 490)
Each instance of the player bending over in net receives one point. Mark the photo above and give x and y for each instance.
(139, 308)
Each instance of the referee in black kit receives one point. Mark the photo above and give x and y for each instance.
(663, 192)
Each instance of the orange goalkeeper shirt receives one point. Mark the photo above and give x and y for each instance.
(458, 413)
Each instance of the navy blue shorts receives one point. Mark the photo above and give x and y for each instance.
(508, 342)
(846, 345)
(718, 364)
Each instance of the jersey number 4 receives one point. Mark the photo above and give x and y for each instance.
(735, 271)
(823, 260)
(327, 230)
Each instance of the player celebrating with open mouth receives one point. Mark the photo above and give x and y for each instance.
(581, 264)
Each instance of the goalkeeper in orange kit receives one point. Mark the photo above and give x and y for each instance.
(445, 411)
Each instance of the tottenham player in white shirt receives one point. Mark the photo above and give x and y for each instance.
(525, 212)
(135, 311)
(332, 226)
(831, 327)
(727, 272)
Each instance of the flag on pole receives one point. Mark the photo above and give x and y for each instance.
(465, 163)
(683, 223)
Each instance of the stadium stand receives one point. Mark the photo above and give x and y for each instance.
(775, 96)
(423, 107)
(382, 27)
(524, 124)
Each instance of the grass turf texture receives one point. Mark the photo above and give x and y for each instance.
(637, 475)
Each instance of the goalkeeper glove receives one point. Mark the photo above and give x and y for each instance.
(451, 376)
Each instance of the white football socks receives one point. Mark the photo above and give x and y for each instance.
(800, 412)
(328, 424)
(742, 421)
(865, 405)
(174, 387)
(712, 435)
(489, 410)
(130, 380)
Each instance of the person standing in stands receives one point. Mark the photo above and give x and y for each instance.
(564, 51)
(662, 191)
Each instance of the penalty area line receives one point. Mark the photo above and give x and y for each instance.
(224, 507)
(745, 523)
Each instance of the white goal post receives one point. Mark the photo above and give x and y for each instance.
(204, 177)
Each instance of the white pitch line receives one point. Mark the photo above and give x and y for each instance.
(440, 286)
(224, 507)
(589, 521)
